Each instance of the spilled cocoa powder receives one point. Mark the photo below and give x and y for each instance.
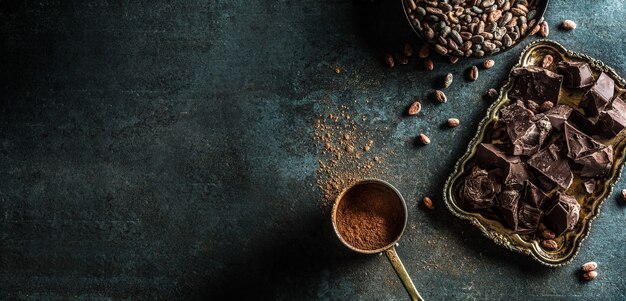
(347, 153)
(370, 216)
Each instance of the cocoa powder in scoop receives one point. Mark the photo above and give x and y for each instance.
(370, 216)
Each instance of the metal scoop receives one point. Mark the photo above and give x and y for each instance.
(391, 195)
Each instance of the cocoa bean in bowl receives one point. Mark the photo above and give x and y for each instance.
(473, 28)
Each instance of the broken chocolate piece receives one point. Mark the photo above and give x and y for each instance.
(528, 218)
(596, 164)
(507, 206)
(517, 119)
(536, 83)
(491, 156)
(534, 136)
(516, 174)
(479, 190)
(549, 162)
(564, 215)
(558, 115)
(590, 186)
(613, 120)
(526, 130)
(575, 74)
(598, 96)
(533, 195)
(579, 144)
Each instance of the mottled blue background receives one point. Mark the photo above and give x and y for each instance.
(164, 150)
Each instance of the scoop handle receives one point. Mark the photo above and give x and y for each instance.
(404, 276)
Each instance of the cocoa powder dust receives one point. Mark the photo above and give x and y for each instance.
(370, 216)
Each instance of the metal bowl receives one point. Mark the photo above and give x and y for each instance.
(541, 9)
(570, 242)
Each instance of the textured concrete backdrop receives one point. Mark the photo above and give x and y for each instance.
(158, 150)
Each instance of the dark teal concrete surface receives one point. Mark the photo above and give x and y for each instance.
(163, 150)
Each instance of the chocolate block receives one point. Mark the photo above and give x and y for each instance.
(582, 122)
(508, 201)
(590, 186)
(558, 115)
(517, 119)
(533, 195)
(597, 163)
(491, 156)
(613, 120)
(549, 162)
(598, 96)
(515, 175)
(575, 74)
(528, 218)
(526, 130)
(579, 144)
(536, 83)
(563, 216)
(480, 189)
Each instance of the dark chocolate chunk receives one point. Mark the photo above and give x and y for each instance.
(479, 190)
(536, 83)
(534, 136)
(599, 96)
(544, 183)
(526, 130)
(596, 164)
(575, 74)
(558, 115)
(528, 218)
(533, 195)
(563, 216)
(613, 120)
(582, 122)
(590, 186)
(579, 144)
(549, 162)
(508, 201)
(517, 119)
(491, 156)
(516, 174)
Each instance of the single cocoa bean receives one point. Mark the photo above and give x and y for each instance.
(473, 73)
(545, 29)
(453, 122)
(549, 244)
(590, 275)
(440, 96)
(568, 25)
(414, 108)
(429, 65)
(548, 234)
(589, 266)
(428, 203)
(424, 139)
(489, 63)
(447, 80)
(389, 60)
(408, 50)
(545, 106)
(547, 61)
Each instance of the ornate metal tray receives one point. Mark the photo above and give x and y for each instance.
(570, 242)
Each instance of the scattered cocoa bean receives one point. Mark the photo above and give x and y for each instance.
(568, 25)
(493, 93)
(389, 60)
(453, 122)
(401, 59)
(473, 73)
(428, 203)
(454, 59)
(549, 244)
(547, 61)
(424, 139)
(545, 29)
(548, 234)
(447, 80)
(545, 106)
(489, 63)
(590, 275)
(429, 65)
(414, 108)
(440, 96)
(589, 266)
(423, 52)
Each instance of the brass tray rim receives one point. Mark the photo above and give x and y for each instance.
(499, 238)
